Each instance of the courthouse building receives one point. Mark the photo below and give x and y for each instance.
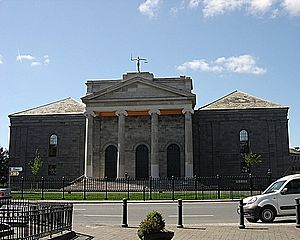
(144, 126)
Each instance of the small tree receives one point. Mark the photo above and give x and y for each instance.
(36, 164)
(3, 165)
(251, 159)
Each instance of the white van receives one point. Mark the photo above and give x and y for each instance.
(277, 200)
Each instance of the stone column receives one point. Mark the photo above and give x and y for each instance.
(154, 143)
(121, 141)
(88, 171)
(188, 142)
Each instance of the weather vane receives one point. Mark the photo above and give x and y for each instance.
(138, 59)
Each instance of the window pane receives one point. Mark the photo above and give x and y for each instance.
(53, 140)
(243, 136)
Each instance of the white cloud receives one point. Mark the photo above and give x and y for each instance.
(216, 7)
(194, 3)
(33, 60)
(239, 64)
(27, 57)
(260, 5)
(34, 64)
(46, 60)
(149, 7)
(211, 8)
(1, 59)
(199, 65)
(292, 7)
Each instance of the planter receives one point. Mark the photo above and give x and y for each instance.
(168, 235)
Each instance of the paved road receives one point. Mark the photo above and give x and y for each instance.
(202, 220)
(193, 212)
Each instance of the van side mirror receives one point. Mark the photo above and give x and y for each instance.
(284, 191)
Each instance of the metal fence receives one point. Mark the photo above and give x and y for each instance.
(32, 220)
(214, 185)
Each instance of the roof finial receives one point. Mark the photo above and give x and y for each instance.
(138, 59)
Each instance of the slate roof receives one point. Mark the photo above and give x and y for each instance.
(239, 100)
(64, 106)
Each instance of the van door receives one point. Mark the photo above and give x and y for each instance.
(286, 199)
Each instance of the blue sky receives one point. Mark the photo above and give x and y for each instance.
(49, 48)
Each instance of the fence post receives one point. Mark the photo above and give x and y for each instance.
(173, 188)
(218, 181)
(297, 212)
(22, 188)
(150, 179)
(144, 194)
(127, 181)
(63, 188)
(42, 198)
(106, 187)
(124, 223)
(84, 188)
(251, 184)
(196, 187)
(179, 223)
(269, 173)
(242, 220)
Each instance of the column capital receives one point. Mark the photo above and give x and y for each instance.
(154, 111)
(188, 110)
(89, 114)
(121, 112)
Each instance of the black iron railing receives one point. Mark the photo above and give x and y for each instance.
(214, 185)
(32, 220)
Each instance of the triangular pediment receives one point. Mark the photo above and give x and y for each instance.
(137, 88)
(240, 100)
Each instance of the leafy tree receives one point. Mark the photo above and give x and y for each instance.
(251, 159)
(4, 157)
(36, 164)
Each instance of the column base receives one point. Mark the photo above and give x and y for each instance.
(88, 171)
(154, 171)
(189, 172)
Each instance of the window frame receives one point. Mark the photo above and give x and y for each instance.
(52, 147)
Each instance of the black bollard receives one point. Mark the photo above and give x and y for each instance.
(179, 224)
(297, 212)
(124, 224)
(242, 222)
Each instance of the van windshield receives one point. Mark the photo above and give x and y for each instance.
(274, 187)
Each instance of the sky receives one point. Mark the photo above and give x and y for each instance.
(49, 48)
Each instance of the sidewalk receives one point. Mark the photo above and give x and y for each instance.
(196, 232)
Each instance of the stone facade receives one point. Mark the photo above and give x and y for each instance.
(31, 130)
(145, 126)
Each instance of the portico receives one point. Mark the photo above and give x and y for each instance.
(134, 112)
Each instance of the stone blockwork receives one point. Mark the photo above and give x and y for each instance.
(32, 130)
(217, 143)
(140, 109)
(137, 131)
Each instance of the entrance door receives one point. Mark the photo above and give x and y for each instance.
(173, 161)
(111, 153)
(142, 162)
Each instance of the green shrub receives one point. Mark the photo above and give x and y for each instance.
(152, 223)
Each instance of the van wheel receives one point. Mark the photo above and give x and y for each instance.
(252, 220)
(267, 214)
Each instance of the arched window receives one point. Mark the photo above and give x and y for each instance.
(244, 141)
(53, 145)
(173, 161)
(111, 154)
(244, 148)
(243, 136)
(142, 162)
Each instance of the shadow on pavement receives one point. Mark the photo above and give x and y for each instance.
(80, 236)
